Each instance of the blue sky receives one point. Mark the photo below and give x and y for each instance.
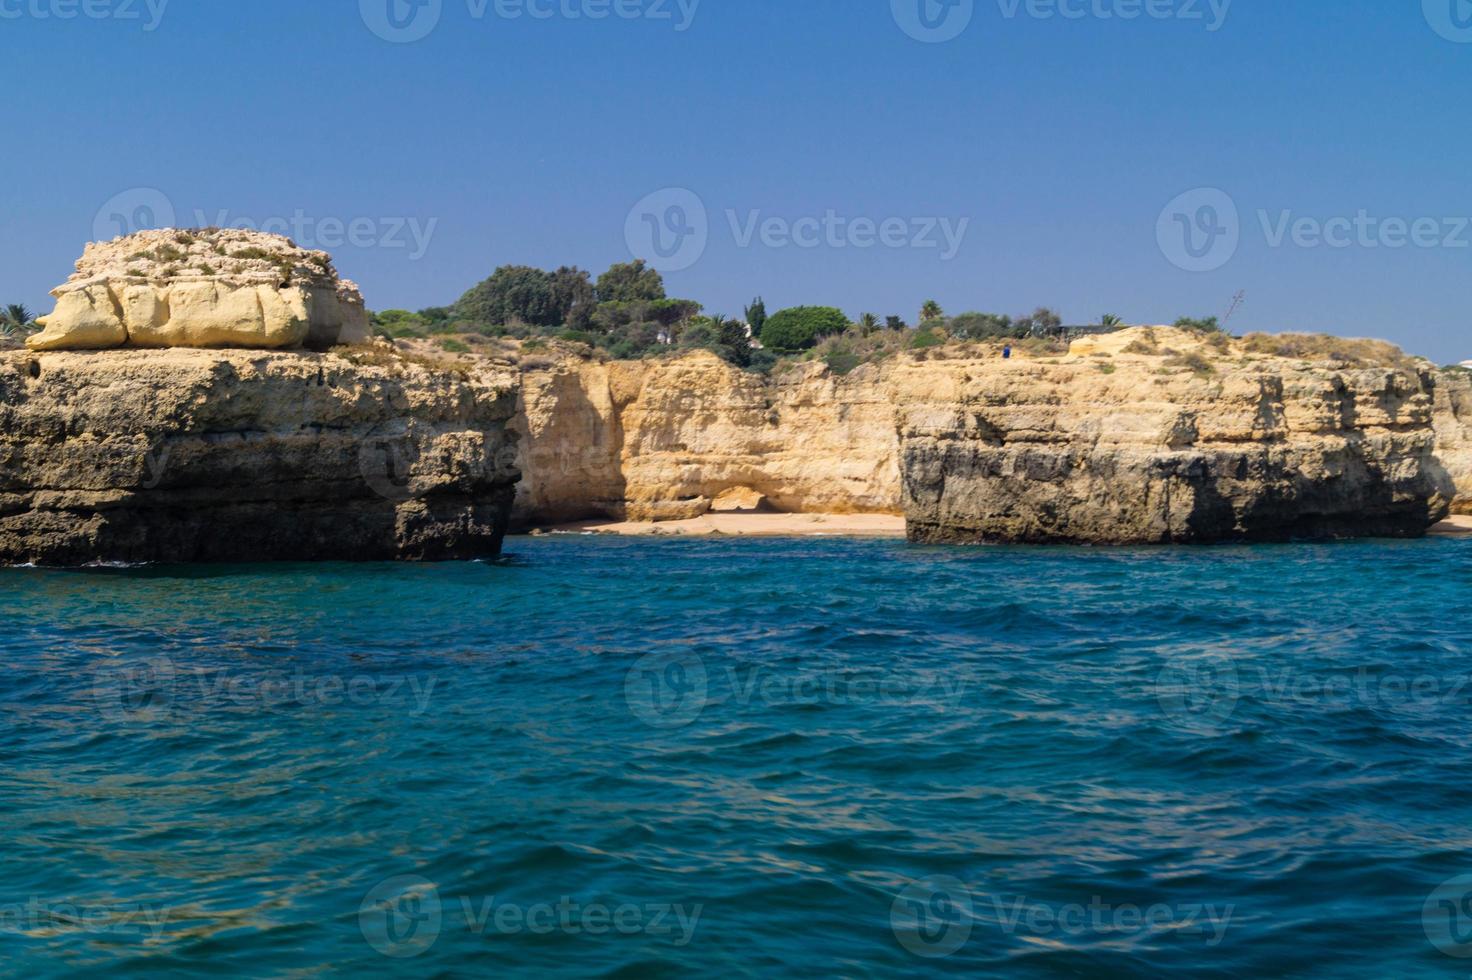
(1054, 143)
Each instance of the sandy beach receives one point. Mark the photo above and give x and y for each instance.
(809, 525)
(751, 525)
(1454, 526)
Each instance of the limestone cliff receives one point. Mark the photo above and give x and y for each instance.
(662, 439)
(1141, 436)
(1453, 422)
(208, 288)
(1167, 439)
(193, 455)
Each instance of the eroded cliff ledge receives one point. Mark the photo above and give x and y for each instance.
(1145, 436)
(192, 455)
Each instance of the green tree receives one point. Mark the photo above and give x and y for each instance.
(736, 343)
(513, 292)
(573, 296)
(630, 282)
(723, 337)
(895, 323)
(930, 311)
(801, 327)
(16, 319)
(756, 316)
(1042, 322)
(868, 323)
(1110, 321)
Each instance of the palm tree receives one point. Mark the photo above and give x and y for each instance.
(868, 323)
(16, 319)
(18, 316)
(1110, 322)
(931, 311)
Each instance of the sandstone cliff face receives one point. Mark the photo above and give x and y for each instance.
(191, 455)
(209, 288)
(1140, 437)
(656, 440)
(1131, 449)
(1453, 423)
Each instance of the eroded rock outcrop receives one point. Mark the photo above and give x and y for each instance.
(1453, 423)
(1145, 436)
(211, 288)
(1167, 440)
(192, 455)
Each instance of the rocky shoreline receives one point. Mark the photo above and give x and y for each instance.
(370, 453)
(226, 456)
(1145, 436)
(214, 396)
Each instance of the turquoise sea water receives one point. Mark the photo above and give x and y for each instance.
(744, 758)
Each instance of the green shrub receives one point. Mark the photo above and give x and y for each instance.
(762, 362)
(842, 361)
(452, 346)
(926, 337)
(984, 326)
(1208, 325)
(800, 327)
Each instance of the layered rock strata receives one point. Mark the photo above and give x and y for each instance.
(1251, 450)
(211, 456)
(662, 440)
(1146, 436)
(1453, 424)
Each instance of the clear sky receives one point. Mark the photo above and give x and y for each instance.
(828, 145)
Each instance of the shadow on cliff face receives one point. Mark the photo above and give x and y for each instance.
(571, 467)
(230, 456)
(1445, 485)
(1362, 501)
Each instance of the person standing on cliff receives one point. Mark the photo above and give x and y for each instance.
(1007, 352)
